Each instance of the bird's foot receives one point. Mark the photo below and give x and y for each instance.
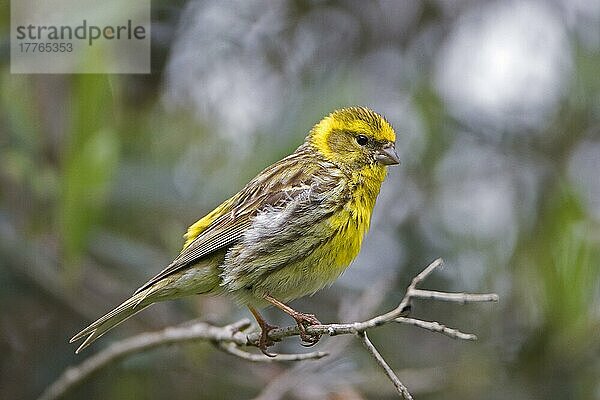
(265, 341)
(304, 321)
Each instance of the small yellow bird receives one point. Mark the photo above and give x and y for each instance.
(291, 231)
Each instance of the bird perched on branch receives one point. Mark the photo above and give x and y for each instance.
(291, 231)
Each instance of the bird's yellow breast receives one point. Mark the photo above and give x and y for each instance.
(353, 222)
(327, 262)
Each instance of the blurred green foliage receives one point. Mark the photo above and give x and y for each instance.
(90, 159)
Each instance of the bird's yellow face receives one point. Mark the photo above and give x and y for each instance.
(355, 137)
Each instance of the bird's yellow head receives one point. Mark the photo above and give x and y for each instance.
(355, 137)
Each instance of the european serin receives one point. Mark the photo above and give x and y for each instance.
(289, 232)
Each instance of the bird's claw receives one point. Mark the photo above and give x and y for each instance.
(303, 321)
(265, 341)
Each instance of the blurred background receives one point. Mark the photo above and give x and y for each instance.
(497, 109)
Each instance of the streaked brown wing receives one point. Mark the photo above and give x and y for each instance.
(278, 183)
(224, 231)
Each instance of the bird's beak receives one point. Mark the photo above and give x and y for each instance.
(387, 155)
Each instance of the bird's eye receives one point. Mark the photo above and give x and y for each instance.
(362, 140)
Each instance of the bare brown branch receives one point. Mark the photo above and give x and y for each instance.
(435, 326)
(232, 337)
(402, 390)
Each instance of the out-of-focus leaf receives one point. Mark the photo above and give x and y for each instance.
(89, 163)
(562, 274)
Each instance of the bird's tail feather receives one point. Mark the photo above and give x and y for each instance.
(128, 308)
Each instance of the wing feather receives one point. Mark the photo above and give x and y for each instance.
(221, 233)
(279, 183)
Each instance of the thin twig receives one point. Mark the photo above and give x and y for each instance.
(436, 327)
(180, 334)
(402, 390)
(453, 297)
(235, 350)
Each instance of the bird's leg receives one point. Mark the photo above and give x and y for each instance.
(264, 342)
(302, 320)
